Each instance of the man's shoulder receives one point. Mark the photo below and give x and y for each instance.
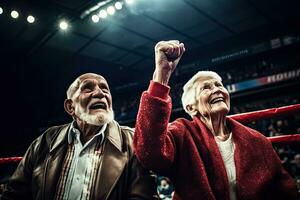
(127, 130)
(249, 134)
(50, 133)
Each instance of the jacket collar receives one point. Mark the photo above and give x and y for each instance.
(61, 138)
(113, 134)
(114, 161)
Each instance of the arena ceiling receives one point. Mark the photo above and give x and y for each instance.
(126, 39)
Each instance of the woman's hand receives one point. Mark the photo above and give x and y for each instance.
(167, 56)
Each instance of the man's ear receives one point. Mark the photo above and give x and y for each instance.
(69, 108)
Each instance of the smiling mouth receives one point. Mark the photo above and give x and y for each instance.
(217, 100)
(97, 106)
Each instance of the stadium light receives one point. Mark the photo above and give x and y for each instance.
(118, 5)
(129, 1)
(95, 18)
(103, 14)
(1, 10)
(111, 10)
(14, 14)
(30, 19)
(63, 25)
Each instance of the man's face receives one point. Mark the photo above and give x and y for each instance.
(92, 101)
(213, 98)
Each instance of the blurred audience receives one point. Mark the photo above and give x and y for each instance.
(126, 106)
(165, 188)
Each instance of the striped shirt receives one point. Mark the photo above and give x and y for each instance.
(80, 166)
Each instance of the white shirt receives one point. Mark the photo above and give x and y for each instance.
(226, 149)
(81, 168)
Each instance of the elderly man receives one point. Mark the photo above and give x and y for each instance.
(211, 156)
(90, 158)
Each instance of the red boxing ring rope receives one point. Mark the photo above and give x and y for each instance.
(267, 113)
(242, 118)
(10, 160)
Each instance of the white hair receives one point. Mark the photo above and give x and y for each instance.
(191, 92)
(76, 83)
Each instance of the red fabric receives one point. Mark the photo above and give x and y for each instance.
(158, 90)
(186, 152)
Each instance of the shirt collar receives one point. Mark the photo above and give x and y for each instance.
(74, 131)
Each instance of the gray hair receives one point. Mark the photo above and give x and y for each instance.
(76, 83)
(191, 92)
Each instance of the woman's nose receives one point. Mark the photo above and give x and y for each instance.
(215, 89)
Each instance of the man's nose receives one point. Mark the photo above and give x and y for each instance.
(98, 92)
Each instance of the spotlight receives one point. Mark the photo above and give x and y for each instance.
(95, 18)
(63, 25)
(118, 5)
(30, 19)
(1, 10)
(111, 10)
(103, 14)
(129, 1)
(14, 14)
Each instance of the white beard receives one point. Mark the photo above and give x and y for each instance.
(98, 119)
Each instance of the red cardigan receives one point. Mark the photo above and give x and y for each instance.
(187, 153)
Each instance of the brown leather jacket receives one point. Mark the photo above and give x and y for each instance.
(120, 177)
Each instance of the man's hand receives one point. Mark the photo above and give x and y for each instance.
(167, 56)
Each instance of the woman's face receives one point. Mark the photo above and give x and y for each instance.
(213, 98)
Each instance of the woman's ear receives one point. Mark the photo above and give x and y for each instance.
(191, 109)
(69, 108)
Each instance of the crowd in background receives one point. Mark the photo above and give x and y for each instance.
(126, 106)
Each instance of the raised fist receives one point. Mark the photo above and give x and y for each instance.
(167, 56)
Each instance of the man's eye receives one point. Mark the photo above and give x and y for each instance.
(86, 89)
(205, 87)
(105, 90)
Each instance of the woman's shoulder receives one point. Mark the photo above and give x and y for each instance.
(181, 123)
(247, 132)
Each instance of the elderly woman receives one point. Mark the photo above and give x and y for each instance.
(211, 156)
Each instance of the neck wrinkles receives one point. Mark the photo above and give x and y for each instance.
(217, 125)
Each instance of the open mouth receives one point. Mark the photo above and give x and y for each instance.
(217, 100)
(98, 105)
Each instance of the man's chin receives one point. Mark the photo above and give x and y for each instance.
(98, 119)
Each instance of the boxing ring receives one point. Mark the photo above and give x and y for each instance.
(242, 118)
